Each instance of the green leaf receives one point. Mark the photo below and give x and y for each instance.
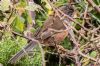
(72, 64)
(96, 16)
(97, 2)
(27, 17)
(39, 23)
(18, 24)
(4, 5)
(21, 3)
(60, 2)
(93, 54)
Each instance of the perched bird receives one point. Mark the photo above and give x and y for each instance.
(51, 33)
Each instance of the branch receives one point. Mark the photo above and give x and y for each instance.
(94, 5)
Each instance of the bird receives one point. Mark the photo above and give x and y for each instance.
(51, 33)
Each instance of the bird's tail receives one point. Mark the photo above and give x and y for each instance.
(22, 52)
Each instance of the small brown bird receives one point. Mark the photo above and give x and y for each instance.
(52, 32)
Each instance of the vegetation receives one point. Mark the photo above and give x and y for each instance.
(18, 18)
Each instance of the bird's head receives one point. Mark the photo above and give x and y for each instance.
(67, 9)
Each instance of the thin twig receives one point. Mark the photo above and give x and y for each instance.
(97, 8)
(88, 57)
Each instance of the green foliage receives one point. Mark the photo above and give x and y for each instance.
(18, 17)
(97, 2)
(93, 54)
(21, 3)
(33, 59)
(9, 46)
(66, 43)
(26, 16)
(40, 17)
(95, 16)
(60, 2)
(18, 24)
